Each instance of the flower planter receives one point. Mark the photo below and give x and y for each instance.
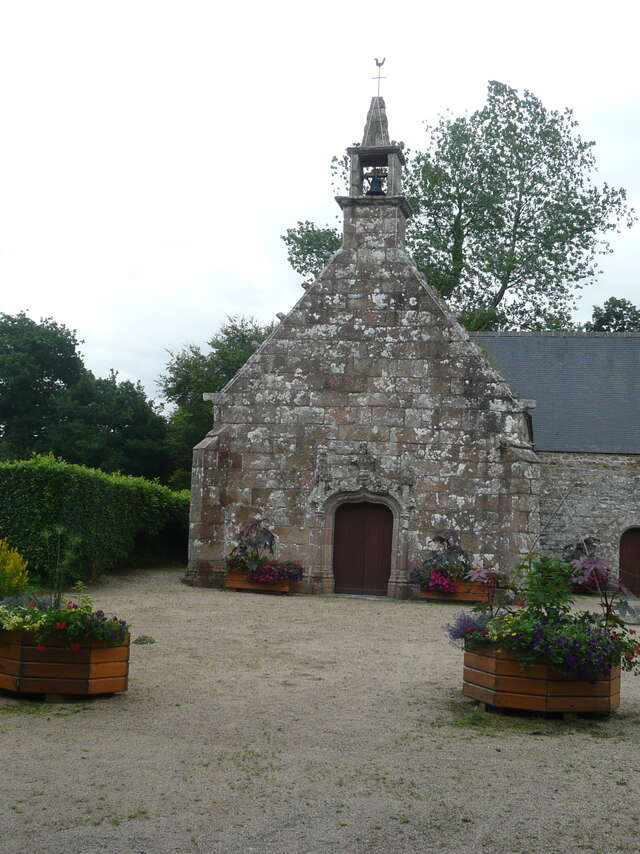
(498, 679)
(58, 670)
(238, 580)
(467, 591)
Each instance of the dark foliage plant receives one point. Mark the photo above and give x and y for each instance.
(443, 566)
(251, 554)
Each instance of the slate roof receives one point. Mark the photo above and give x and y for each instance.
(586, 386)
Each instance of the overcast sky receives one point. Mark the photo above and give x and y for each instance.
(152, 153)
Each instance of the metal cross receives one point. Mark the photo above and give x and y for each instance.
(379, 63)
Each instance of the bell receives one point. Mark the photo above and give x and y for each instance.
(375, 187)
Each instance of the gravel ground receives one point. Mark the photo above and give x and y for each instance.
(262, 723)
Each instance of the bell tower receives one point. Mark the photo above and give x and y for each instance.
(375, 211)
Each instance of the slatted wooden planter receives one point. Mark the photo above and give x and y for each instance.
(237, 579)
(57, 670)
(498, 679)
(467, 591)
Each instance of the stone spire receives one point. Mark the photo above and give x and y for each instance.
(375, 203)
(376, 130)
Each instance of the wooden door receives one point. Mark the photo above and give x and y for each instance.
(630, 560)
(362, 548)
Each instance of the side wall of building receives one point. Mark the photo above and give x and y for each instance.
(588, 495)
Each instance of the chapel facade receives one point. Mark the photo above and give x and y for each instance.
(368, 420)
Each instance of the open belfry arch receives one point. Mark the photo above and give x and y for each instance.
(368, 393)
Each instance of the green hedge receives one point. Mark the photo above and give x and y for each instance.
(106, 515)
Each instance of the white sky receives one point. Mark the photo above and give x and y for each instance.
(152, 153)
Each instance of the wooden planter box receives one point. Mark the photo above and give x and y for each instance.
(238, 580)
(468, 591)
(57, 670)
(497, 678)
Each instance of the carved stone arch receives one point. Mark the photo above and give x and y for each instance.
(324, 531)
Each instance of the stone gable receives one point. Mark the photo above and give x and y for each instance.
(368, 390)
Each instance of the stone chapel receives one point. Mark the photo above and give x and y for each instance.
(370, 419)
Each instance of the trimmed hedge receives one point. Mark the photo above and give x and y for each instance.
(104, 515)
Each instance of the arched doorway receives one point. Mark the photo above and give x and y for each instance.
(362, 548)
(630, 560)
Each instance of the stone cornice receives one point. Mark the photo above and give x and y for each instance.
(376, 201)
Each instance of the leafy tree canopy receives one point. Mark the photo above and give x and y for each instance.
(37, 361)
(616, 315)
(192, 372)
(49, 402)
(508, 221)
(111, 425)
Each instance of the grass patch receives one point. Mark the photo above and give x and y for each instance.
(505, 722)
(144, 639)
(38, 708)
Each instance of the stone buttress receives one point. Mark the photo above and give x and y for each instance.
(368, 390)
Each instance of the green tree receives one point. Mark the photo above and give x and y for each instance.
(508, 221)
(616, 315)
(37, 361)
(110, 425)
(309, 248)
(49, 402)
(192, 372)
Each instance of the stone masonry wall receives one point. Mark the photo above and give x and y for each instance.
(367, 390)
(588, 495)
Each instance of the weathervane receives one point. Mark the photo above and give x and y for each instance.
(379, 63)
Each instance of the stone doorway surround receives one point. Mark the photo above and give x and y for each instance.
(322, 580)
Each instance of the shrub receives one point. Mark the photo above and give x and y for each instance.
(101, 515)
(13, 571)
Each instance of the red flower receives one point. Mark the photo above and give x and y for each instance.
(41, 647)
(638, 650)
(629, 656)
(31, 605)
(632, 632)
(75, 647)
(61, 626)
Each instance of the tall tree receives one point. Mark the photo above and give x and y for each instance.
(309, 248)
(50, 402)
(508, 221)
(37, 361)
(190, 373)
(616, 315)
(111, 425)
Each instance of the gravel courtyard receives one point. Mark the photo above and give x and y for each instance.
(262, 723)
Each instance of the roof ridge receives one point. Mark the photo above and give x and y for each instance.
(551, 333)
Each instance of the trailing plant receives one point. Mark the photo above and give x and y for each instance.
(274, 571)
(13, 571)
